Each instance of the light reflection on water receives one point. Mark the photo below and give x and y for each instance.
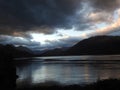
(66, 72)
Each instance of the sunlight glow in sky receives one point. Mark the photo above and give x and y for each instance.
(42, 38)
(60, 34)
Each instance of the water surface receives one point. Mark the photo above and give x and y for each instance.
(67, 69)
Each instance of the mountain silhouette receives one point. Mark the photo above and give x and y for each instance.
(55, 52)
(98, 45)
(16, 51)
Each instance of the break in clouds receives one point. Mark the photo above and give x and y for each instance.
(20, 18)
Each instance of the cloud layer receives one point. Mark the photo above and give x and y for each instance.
(20, 18)
(25, 15)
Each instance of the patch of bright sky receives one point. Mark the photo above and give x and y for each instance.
(73, 33)
(42, 38)
(101, 25)
(116, 14)
(61, 34)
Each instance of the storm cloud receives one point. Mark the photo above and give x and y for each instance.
(105, 5)
(25, 15)
(20, 18)
(45, 15)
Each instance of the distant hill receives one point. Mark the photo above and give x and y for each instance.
(25, 49)
(16, 51)
(99, 45)
(55, 52)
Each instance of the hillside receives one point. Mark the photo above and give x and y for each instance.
(99, 45)
(55, 52)
(15, 51)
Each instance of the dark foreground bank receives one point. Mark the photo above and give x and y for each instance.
(7, 70)
(111, 84)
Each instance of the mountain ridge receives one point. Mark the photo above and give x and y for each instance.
(15, 51)
(98, 45)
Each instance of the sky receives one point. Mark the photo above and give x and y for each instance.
(48, 24)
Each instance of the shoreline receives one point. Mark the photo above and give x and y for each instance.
(108, 84)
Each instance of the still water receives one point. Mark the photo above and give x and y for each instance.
(67, 69)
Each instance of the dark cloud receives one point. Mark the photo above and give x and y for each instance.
(25, 15)
(102, 10)
(46, 15)
(107, 5)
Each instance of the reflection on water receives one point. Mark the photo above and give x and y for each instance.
(66, 71)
